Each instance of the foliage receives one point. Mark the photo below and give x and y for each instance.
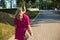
(21, 2)
(3, 2)
(32, 14)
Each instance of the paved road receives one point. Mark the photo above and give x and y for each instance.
(47, 16)
(46, 26)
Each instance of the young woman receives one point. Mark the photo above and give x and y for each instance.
(22, 23)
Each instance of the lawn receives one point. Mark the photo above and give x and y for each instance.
(6, 31)
(7, 28)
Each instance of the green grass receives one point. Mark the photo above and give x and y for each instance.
(7, 28)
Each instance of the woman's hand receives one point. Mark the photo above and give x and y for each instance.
(30, 30)
(31, 34)
(16, 39)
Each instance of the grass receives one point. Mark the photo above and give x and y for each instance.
(7, 28)
(6, 31)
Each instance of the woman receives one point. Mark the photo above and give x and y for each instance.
(22, 24)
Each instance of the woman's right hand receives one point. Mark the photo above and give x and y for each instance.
(30, 30)
(31, 34)
(16, 39)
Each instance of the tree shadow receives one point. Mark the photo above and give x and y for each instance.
(46, 18)
(6, 18)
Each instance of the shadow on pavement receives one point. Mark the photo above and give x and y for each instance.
(47, 18)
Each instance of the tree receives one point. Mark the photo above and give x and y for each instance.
(26, 1)
(58, 4)
(58, 1)
(20, 2)
(3, 3)
(33, 1)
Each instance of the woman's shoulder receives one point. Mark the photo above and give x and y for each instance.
(26, 16)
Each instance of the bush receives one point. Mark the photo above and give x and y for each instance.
(32, 14)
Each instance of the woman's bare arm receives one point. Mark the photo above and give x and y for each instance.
(29, 30)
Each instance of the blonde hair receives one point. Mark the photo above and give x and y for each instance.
(18, 10)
